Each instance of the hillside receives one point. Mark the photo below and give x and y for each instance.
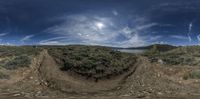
(188, 55)
(159, 47)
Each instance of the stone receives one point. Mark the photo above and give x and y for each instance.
(15, 95)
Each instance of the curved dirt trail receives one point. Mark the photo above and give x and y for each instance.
(62, 81)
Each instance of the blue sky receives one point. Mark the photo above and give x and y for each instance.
(119, 23)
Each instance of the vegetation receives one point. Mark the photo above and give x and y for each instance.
(92, 62)
(192, 75)
(180, 56)
(17, 62)
(13, 57)
(6, 51)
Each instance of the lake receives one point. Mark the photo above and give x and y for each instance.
(136, 51)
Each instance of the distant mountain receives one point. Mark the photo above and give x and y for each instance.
(159, 47)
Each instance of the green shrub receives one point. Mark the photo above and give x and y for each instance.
(19, 61)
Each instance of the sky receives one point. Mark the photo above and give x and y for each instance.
(117, 23)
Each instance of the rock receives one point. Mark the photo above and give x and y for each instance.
(126, 95)
(38, 93)
(141, 96)
(31, 77)
(159, 93)
(28, 95)
(160, 61)
(159, 75)
(15, 95)
(196, 81)
(118, 88)
(45, 83)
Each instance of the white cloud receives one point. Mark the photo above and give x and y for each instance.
(198, 37)
(6, 44)
(52, 39)
(166, 25)
(146, 26)
(3, 34)
(154, 38)
(115, 12)
(179, 37)
(83, 28)
(51, 43)
(160, 42)
(26, 38)
(189, 31)
(134, 41)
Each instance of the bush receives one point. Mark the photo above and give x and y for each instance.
(17, 62)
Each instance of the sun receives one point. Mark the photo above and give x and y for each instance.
(99, 25)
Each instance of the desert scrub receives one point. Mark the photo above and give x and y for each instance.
(180, 56)
(9, 51)
(17, 62)
(14, 57)
(92, 61)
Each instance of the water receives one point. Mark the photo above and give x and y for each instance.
(135, 51)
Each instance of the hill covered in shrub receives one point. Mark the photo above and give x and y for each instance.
(188, 55)
(13, 57)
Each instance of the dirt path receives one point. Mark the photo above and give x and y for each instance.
(75, 84)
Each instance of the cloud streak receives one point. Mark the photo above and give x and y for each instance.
(198, 37)
(179, 37)
(189, 31)
(3, 34)
(26, 38)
